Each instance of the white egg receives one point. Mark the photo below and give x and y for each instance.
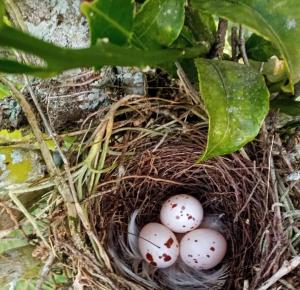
(203, 249)
(181, 213)
(158, 245)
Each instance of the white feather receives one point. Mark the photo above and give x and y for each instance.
(130, 263)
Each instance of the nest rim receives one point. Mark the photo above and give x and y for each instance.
(185, 149)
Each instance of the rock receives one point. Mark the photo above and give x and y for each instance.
(132, 80)
(11, 115)
(57, 21)
(69, 98)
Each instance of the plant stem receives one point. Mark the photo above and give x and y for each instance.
(218, 48)
(243, 46)
(59, 59)
(234, 43)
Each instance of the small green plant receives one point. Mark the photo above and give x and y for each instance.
(162, 32)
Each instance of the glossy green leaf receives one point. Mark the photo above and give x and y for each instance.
(159, 22)
(202, 26)
(287, 106)
(112, 19)
(59, 59)
(277, 21)
(260, 49)
(236, 100)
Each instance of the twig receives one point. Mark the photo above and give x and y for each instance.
(218, 48)
(45, 271)
(246, 285)
(287, 285)
(246, 203)
(191, 91)
(142, 177)
(188, 87)
(243, 46)
(286, 268)
(234, 44)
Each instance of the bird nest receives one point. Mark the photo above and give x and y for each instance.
(235, 191)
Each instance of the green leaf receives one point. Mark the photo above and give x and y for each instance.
(15, 240)
(59, 59)
(287, 106)
(112, 19)
(277, 21)
(11, 66)
(202, 25)
(236, 100)
(18, 266)
(260, 49)
(159, 22)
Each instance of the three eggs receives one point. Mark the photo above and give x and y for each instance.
(198, 248)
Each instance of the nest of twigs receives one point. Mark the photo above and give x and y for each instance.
(150, 167)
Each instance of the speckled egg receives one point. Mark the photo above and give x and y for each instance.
(181, 213)
(158, 245)
(203, 249)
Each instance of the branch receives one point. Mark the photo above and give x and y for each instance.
(286, 268)
(234, 43)
(243, 46)
(45, 271)
(218, 48)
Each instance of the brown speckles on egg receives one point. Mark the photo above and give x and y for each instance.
(190, 217)
(199, 243)
(149, 257)
(174, 205)
(184, 226)
(169, 243)
(177, 217)
(190, 256)
(195, 261)
(153, 247)
(183, 207)
(167, 258)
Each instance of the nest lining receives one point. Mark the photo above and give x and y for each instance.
(232, 187)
